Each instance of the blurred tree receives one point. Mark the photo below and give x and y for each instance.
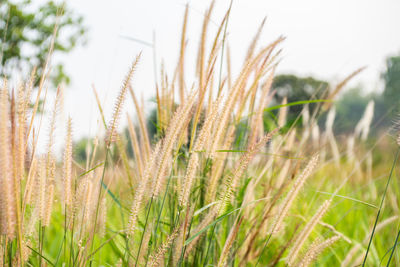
(296, 89)
(80, 154)
(26, 31)
(391, 78)
(350, 108)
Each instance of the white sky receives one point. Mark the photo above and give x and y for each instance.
(326, 39)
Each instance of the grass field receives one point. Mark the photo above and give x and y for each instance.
(226, 180)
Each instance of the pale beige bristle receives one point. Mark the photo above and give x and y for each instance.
(315, 250)
(233, 181)
(158, 256)
(298, 244)
(178, 123)
(294, 191)
(141, 189)
(229, 242)
(7, 196)
(113, 126)
(67, 175)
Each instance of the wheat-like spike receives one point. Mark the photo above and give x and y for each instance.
(135, 147)
(181, 62)
(26, 251)
(188, 179)
(30, 182)
(233, 181)
(49, 205)
(20, 144)
(53, 120)
(50, 169)
(294, 191)
(88, 207)
(194, 157)
(201, 52)
(398, 139)
(145, 244)
(112, 127)
(144, 135)
(283, 113)
(182, 233)
(102, 218)
(209, 217)
(356, 248)
(229, 242)
(215, 48)
(179, 121)
(298, 244)
(253, 43)
(41, 187)
(143, 184)
(341, 85)
(67, 175)
(7, 196)
(223, 118)
(316, 249)
(238, 88)
(158, 256)
(257, 128)
(80, 203)
(218, 166)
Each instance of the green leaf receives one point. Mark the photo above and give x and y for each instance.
(297, 103)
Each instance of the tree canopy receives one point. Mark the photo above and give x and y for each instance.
(26, 30)
(296, 88)
(391, 78)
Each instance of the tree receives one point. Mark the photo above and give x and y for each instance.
(26, 31)
(350, 108)
(391, 78)
(296, 89)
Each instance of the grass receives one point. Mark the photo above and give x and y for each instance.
(224, 181)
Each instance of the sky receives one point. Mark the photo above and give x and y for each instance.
(324, 39)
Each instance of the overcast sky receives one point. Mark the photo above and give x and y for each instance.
(325, 39)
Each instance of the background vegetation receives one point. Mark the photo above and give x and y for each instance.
(256, 169)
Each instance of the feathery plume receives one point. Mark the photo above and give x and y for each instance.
(363, 126)
(316, 249)
(194, 157)
(158, 256)
(179, 121)
(298, 244)
(144, 181)
(229, 242)
(359, 246)
(233, 181)
(50, 191)
(135, 146)
(112, 127)
(7, 197)
(67, 175)
(297, 186)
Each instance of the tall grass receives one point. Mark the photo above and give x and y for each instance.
(224, 181)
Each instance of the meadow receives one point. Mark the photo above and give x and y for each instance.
(225, 180)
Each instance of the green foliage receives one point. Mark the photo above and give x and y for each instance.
(391, 78)
(80, 148)
(26, 31)
(297, 89)
(349, 109)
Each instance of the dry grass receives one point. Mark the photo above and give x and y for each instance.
(201, 191)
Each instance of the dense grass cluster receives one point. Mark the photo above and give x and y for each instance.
(225, 181)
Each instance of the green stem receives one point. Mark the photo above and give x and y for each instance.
(394, 247)
(144, 230)
(98, 200)
(380, 207)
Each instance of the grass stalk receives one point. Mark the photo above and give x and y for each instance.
(380, 206)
